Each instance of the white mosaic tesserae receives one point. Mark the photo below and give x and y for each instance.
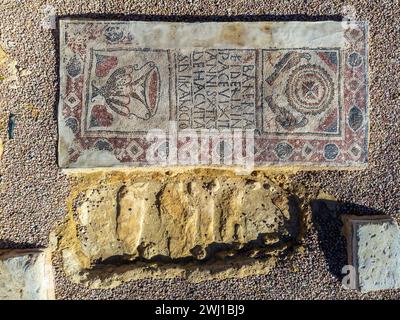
(157, 93)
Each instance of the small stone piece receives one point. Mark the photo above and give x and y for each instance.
(373, 246)
(26, 275)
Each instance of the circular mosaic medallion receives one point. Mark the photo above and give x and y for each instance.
(310, 89)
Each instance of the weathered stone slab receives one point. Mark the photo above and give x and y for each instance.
(165, 94)
(374, 251)
(26, 275)
(125, 225)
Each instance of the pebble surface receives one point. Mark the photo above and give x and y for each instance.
(33, 189)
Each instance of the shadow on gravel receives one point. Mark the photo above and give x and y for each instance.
(203, 18)
(7, 244)
(326, 219)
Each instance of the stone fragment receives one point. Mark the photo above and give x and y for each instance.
(241, 94)
(26, 275)
(9, 73)
(33, 111)
(131, 225)
(373, 247)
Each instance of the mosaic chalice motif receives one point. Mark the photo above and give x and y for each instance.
(131, 91)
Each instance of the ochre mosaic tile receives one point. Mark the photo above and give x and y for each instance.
(254, 93)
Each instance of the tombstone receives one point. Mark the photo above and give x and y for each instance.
(26, 275)
(373, 249)
(217, 93)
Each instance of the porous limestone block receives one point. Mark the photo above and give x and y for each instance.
(26, 275)
(374, 250)
(197, 225)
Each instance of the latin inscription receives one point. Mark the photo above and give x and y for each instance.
(216, 89)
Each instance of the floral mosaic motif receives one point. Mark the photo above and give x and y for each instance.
(131, 91)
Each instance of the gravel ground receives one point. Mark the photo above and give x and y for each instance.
(33, 189)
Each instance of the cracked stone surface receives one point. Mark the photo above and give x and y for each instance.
(125, 226)
(295, 93)
(26, 275)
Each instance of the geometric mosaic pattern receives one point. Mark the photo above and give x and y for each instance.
(306, 103)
